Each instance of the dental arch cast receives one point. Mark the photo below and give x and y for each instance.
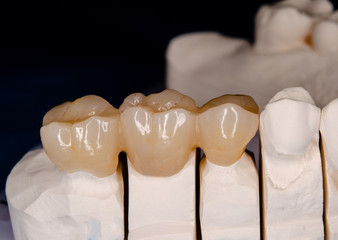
(85, 197)
(296, 44)
(159, 137)
(291, 167)
(229, 192)
(291, 24)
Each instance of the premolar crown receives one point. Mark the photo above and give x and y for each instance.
(83, 136)
(158, 131)
(225, 126)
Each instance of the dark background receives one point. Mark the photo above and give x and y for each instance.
(58, 51)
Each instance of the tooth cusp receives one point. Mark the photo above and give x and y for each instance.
(79, 110)
(169, 99)
(133, 100)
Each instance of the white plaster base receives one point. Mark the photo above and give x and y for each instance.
(329, 130)
(294, 210)
(162, 207)
(291, 167)
(47, 203)
(229, 200)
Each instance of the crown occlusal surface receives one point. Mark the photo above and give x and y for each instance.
(158, 131)
(225, 126)
(83, 136)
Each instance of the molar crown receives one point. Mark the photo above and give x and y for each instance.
(83, 136)
(225, 126)
(158, 131)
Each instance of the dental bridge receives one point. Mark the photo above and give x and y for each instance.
(73, 188)
(158, 132)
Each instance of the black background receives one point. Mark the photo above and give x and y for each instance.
(57, 51)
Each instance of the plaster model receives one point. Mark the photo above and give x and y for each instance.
(73, 188)
(291, 167)
(329, 134)
(159, 136)
(229, 192)
(296, 44)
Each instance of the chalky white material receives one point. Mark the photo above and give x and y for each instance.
(296, 45)
(291, 168)
(229, 200)
(47, 203)
(162, 207)
(329, 133)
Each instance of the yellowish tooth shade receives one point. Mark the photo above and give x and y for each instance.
(79, 110)
(158, 131)
(133, 100)
(244, 101)
(83, 136)
(169, 99)
(225, 126)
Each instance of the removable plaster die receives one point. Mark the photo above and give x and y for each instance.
(329, 134)
(229, 200)
(291, 167)
(162, 207)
